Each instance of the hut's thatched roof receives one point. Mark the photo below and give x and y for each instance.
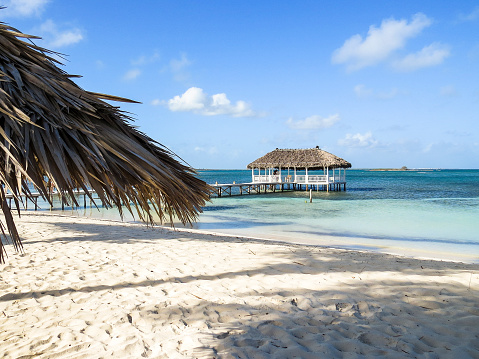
(52, 131)
(311, 158)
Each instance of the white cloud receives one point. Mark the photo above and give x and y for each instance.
(196, 100)
(431, 55)
(313, 122)
(139, 64)
(193, 99)
(67, 38)
(364, 92)
(448, 91)
(179, 64)
(132, 74)
(388, 95)
(472, 16)
(23, 8)
(59, 38)
(358, 140)
(178, 67)
(99, 64)
(458, 133)
(208, 150)
(380, 43)
(144, 60)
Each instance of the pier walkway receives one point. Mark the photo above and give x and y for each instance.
(220, 190)
(239, 189)
(34, 196)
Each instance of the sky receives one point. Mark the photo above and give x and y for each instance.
(221, 83)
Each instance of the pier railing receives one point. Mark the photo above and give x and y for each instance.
(267, 178)
(319, 179)
(300, 179)
(56, 198)
(311, 179)
(337, 178)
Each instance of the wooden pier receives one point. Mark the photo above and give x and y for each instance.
(220, 190)
(34, 196)
(239, 189)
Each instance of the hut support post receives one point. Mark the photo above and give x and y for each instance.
(327, 179)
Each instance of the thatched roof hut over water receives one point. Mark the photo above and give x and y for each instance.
(311, 158)
(52, 131)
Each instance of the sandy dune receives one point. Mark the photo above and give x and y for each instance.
(97, 289)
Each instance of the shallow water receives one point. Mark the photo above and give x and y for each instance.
(425, 213)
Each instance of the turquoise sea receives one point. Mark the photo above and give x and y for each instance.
(422, 213)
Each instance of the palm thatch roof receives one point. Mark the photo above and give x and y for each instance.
(52, 131)
(311, 158)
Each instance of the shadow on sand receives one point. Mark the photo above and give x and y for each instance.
(342, 321)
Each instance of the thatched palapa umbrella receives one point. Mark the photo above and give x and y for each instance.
(51, 130)
(311, 158)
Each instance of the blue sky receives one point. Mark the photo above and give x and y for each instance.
(378, 83)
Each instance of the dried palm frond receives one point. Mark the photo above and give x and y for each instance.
(51, 130)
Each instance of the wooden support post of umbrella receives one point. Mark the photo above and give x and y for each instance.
(51, 130)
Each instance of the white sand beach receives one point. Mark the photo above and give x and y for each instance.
(96, 289)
